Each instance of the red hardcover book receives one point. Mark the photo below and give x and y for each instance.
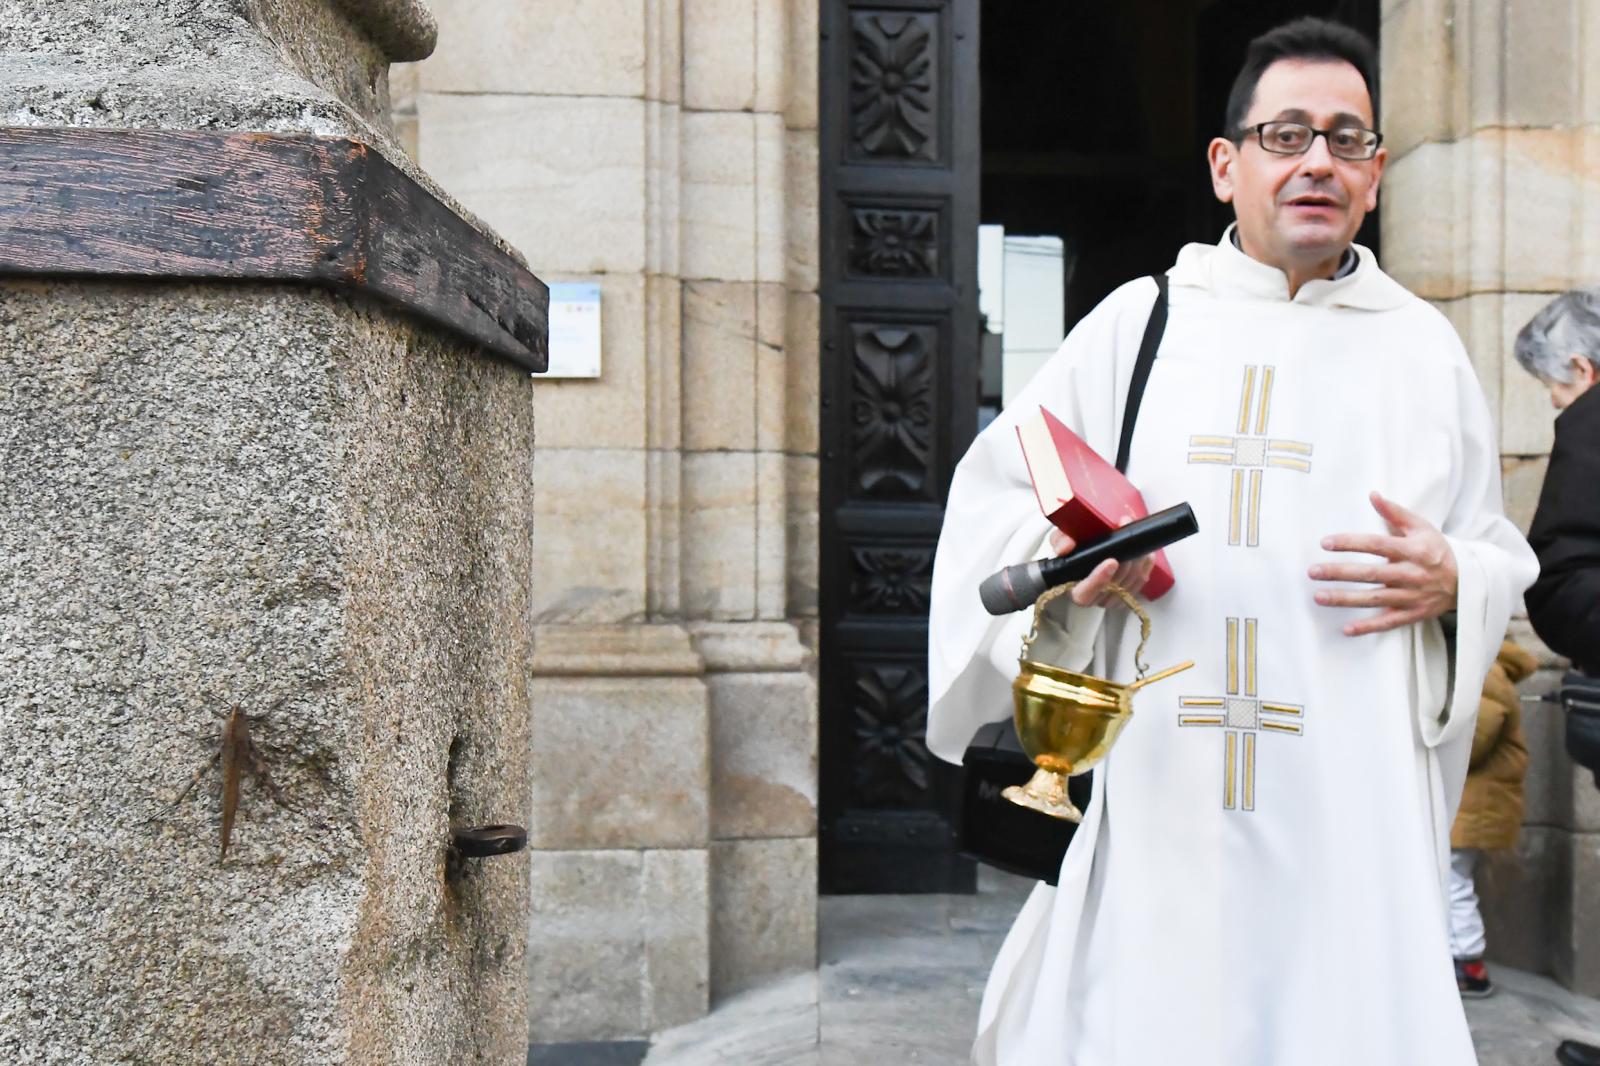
(1083, 495)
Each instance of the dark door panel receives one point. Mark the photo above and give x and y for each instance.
(899, 153)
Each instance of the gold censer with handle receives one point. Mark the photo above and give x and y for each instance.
(1067, 721)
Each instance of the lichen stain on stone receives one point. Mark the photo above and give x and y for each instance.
(753, 797)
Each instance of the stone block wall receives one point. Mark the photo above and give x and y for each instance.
(665, 150)
(1491, 206)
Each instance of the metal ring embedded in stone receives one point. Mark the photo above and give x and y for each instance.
(482, 841)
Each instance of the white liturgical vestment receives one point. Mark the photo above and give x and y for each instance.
(1259, 878)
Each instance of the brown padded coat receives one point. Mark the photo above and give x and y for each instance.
(1491, 803)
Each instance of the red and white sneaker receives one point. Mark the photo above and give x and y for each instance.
(1472, 979)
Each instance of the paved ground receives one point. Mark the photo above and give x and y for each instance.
(900, 978)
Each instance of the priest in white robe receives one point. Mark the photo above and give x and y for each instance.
(1259, 877)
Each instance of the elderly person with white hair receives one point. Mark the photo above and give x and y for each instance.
(1561, 347)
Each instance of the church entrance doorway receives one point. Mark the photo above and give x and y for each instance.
(1074, 133)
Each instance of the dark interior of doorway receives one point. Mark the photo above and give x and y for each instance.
(1096, 118)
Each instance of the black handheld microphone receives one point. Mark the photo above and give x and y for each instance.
(1016, 587)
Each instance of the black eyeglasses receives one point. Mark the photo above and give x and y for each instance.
(1294, 138)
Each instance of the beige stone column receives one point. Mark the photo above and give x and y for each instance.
(1491, 206)
(749, 253)
(674, 713)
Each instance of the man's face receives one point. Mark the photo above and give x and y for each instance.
(1300, 211)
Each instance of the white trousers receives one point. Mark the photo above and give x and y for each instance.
(1466, 924)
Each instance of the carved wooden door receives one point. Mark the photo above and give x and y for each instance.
(899, 157)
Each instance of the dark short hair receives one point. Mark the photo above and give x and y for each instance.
(1304, 38)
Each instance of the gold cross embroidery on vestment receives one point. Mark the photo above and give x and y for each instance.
(1241, 715)
(1250, 453)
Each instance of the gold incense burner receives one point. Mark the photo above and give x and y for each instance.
(1068, 721)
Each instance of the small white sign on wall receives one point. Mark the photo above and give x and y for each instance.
(574, 330)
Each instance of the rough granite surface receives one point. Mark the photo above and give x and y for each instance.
(290, 501)
(273, 66)
(241, 63)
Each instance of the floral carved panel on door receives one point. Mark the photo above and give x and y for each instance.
(893, 243)
(890, 580)
(892, 404)
(894, 73)
(891, 717)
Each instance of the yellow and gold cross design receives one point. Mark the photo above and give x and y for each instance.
(1241, 715)
(1250, 453)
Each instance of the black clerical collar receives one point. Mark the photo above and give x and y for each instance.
(1347, 265)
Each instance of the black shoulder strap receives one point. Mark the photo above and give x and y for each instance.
(1141, 369)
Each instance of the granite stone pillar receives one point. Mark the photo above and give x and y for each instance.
(266, 437)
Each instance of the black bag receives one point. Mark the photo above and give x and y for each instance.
(1580, 696)
(992, 829)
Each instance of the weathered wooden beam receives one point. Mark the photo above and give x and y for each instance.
(260, 207)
